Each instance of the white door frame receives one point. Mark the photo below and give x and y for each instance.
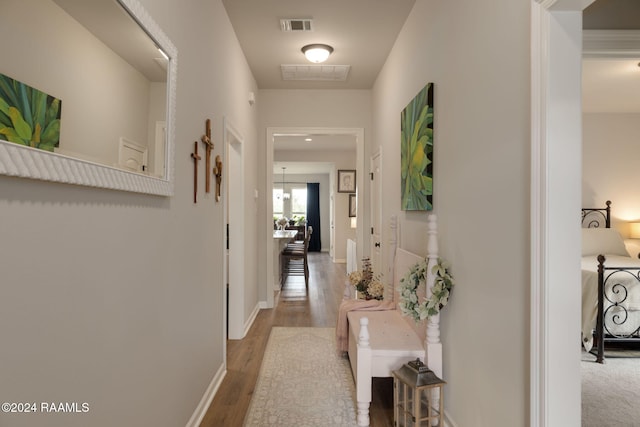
(556, 172)
(275, 131)
(375, 209)
(235, 217)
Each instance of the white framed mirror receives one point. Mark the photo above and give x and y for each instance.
(103, 60)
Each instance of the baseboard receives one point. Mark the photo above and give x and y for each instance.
(207, 398)
(448, 422)
(251, 319)
(340, 261)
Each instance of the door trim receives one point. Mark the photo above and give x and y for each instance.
(554, 364)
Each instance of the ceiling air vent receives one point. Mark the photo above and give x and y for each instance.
(296, 24)
(335, 73)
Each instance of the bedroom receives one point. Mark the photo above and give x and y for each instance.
(611, 113)
(611, 121)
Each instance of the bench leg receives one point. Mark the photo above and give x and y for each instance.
(363, 413)
(363, 377)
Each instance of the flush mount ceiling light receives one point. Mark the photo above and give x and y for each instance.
(317, 53)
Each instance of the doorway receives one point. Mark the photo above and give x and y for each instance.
(272, 133)
(556, 118)
(234, 230)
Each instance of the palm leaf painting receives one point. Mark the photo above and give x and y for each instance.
(416, 145)
(28, 116)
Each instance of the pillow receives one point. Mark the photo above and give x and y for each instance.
(606, 241)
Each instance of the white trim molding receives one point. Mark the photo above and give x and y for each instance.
(207, 398)
(621, 44)
(539, 57)
(556, 58)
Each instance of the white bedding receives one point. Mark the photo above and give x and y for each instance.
(590, 295)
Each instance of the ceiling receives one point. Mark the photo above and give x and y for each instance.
(314, 142)
(612, 15)
(304, 168)
(361, 32)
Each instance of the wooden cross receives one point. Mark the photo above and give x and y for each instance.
(195, 158)
(206, 139)
(217, 171)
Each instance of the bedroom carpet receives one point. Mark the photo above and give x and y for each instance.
(302, 382)
(611, 392)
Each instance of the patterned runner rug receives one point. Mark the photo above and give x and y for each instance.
(303, 382)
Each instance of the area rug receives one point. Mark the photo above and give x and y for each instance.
(303, 382)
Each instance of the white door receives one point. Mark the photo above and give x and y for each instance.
(375, 190)
(233, 168)
(132, 156)
(332, 228)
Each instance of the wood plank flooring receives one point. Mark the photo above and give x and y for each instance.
(295, 306)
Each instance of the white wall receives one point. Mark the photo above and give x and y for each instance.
(478, 59)
(610, 153)
(103, 97)
(114, 298)
(610, 156)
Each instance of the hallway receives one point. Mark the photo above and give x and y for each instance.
(295, 307)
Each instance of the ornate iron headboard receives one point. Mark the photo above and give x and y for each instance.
(597, 217)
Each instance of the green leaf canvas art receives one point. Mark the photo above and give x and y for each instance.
(416, 124)
(28, 116)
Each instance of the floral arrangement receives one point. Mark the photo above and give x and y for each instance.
(282, 222)
(365, 282)
(440, 291)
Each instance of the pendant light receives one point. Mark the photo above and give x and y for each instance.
(285, 195)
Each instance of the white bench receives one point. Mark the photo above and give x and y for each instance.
(382, 341)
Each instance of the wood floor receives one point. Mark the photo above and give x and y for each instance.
(295, 306)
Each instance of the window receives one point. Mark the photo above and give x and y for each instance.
(299, 202)
(278, 205)
(296, 206)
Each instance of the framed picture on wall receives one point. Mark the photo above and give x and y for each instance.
(346, 181)
(352, 206)
(416, 152)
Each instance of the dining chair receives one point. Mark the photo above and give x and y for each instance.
(294, 260)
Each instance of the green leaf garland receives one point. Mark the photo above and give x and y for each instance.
(440, 291)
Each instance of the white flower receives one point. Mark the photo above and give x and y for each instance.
(375, 289)
(355, 277)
